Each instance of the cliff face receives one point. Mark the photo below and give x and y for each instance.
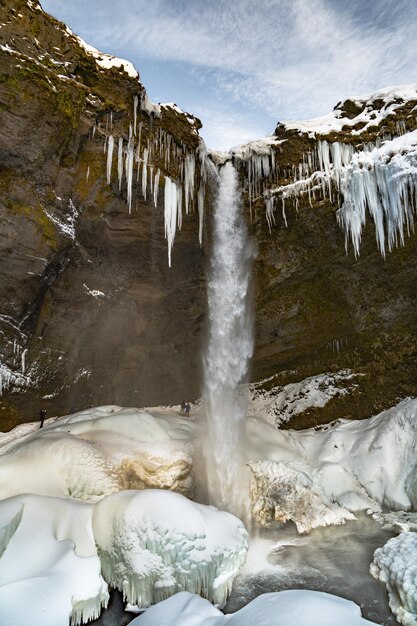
(90, 311)
(318, 308)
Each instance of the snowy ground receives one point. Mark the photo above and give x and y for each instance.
(314, 478)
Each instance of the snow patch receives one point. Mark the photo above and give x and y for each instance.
(282, 403)
(63, 571)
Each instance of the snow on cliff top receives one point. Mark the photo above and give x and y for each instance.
(106, 61)
(372, 114)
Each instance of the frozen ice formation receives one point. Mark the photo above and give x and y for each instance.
(154, 543)
(63, 571)
(144, 161)
(395, 566)
(285, 608)
(95, 452)
(151, 544)
(322, 476)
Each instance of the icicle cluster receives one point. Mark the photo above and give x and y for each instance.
(380, 178)
(159, 147)
(384, 182)
(258, 162)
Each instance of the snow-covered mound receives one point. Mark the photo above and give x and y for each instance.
(395, 566)
(151, 544)
(95, 452)
(321, 476)
(286, 608)
(49, 568)
(154, 543)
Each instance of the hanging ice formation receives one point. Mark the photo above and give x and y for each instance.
(155, 151)
(257, 160)
(380, 178)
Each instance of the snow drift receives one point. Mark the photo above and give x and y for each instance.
(286, 608)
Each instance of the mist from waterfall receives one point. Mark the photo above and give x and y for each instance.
(229, 348)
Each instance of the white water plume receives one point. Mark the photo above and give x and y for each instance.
(230, 347)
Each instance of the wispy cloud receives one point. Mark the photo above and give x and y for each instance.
(286, 58)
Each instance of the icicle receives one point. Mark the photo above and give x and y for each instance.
(170, 214)
(200, 204)
(145, 173)
(24, 360)
(179, 206)
(283, 211)
(151, 178)
(110, 148)
(135, 113)
(156, 187)
(120, 162)
(139, 139)
(270, 208)
(87, 176)
(189, 173)
(129, 172)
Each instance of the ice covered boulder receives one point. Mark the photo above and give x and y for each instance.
(49, 568)
(323, 476)
(285, 608)
(98, 451)
(154, 543)
(395, 566)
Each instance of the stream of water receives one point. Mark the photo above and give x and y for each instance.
(229, 348)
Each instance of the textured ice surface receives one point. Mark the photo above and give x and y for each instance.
(395, 566)
(286, 608)
(322, 476)
(49, 568)
(154, 543)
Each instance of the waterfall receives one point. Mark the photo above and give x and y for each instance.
(229, 349)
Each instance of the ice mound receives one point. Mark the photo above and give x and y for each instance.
(281, 492)
(395, 566)
(61, 580)
(96, 452)
(322, 476)
(285, 608)
(154, 543)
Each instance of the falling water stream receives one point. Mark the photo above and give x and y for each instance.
(229, 348)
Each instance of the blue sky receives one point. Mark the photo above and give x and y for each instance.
(243, 65)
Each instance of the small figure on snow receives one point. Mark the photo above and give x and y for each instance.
(182, 412)
(42, 416)
(187, 409)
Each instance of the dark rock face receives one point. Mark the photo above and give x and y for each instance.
(86, 292)
(90, 313)
(319, 309)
